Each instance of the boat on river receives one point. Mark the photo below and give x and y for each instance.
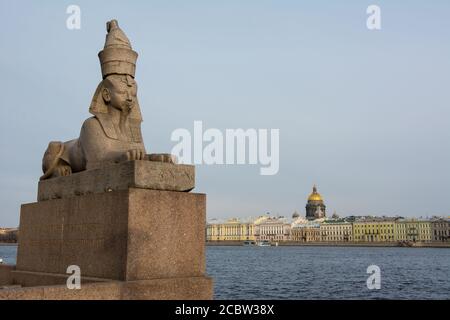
(263, 243)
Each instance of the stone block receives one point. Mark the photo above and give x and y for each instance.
(134, 234)
(120, 176)
(6, 275)
(187, 288)
(35, 279)
(94, 291)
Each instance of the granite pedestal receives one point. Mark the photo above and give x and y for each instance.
(130, 242)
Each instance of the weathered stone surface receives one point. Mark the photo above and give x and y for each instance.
(188, 288)
(94, 291)
(135, 234)
(166, 234)
(34, 279)
(121, 176)
(6, 274)
(89, 231)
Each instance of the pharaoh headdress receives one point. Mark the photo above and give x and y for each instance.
(116, 58)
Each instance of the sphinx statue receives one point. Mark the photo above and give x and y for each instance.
(113, 134)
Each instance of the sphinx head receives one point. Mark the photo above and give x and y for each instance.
(120, 92)
(118, 89)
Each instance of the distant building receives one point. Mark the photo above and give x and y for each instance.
(305, 231)
(315, 207)
(316, 227)
(336, 231)
(413, 230)
(9, 235)
(440, 229)
(273, 229)
(374, 230)
(230, 230)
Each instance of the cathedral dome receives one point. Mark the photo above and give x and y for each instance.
(315, 196)
(315, 207)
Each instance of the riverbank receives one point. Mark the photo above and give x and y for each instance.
(341, 244)
(318, 244)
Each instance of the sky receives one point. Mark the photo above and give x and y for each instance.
(364, 114)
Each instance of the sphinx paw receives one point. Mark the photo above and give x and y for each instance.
(163, 157)
(63, 171)
(135, 154)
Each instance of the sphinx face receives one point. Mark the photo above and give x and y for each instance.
(121, 92)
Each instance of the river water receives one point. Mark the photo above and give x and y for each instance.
(321, 272)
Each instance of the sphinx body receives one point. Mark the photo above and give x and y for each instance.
(113, 134)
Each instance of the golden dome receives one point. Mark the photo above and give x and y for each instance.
(315, 196)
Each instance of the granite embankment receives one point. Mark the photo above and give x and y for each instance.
(342, 244)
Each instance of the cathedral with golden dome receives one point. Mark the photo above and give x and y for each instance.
(315, 207)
